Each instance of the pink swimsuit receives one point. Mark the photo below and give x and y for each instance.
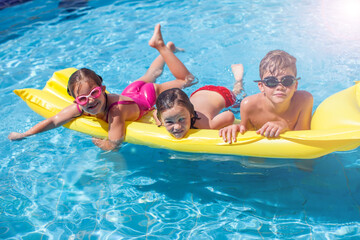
(142, 93)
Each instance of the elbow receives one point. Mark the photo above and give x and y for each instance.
(229, 118)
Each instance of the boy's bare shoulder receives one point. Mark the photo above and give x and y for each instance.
(251, 99)
(250, 102)
(303, 98)
(254, 96)
(302, 95)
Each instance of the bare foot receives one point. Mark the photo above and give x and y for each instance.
(238, 71)
(156, 40)
(173, 48)
(190, 80)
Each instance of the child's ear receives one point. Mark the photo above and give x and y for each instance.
(103, 88)
(261, 86)
(296, 85)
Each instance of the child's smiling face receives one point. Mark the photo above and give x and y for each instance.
(94, 105)
(176, 120)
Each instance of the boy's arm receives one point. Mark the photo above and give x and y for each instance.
(304, 101)
(304, 119)
(229, 133)
(58, 120)
(245, 110)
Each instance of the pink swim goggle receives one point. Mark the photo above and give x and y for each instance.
(83, 99)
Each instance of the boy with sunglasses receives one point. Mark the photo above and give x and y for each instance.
(279, 107)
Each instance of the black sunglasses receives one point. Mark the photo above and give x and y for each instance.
(272, 81)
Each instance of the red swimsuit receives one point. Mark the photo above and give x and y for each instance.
(228, 96)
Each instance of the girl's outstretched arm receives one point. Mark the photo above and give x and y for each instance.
(116, 132)
(58, 120)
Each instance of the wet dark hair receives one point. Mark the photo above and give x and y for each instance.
(83, 74)
(171, 97)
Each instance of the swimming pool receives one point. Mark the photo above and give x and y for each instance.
(58, 185)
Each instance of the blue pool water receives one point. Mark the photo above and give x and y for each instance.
(58, 185)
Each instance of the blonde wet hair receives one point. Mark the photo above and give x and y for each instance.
(277, 61)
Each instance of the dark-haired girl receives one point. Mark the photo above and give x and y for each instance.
(178, 113)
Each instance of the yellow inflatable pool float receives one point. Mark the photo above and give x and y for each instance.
(335, 127)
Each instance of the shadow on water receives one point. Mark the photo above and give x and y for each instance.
(10, 3)
(32, 14)
(73, 5)
(68, 5)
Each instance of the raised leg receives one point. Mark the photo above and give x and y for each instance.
(177, 68)
(238, 71)
(157, 66)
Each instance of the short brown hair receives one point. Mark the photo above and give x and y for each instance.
(275, 61)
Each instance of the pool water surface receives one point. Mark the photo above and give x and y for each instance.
(58, 185)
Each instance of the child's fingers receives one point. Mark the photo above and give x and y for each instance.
(270, 129)
(229, 133)
(261, 130)
(234, 133)
(242, 129)
(222, 133)
(278, 132)
(267, 132)
(228, 137)
(273, 131)
(97, 141)
(15, 136)
(11, 136)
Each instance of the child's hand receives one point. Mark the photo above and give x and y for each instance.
(273, 129)
(16, 136)
(101, 143)
(106, 144)
(229, 133)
